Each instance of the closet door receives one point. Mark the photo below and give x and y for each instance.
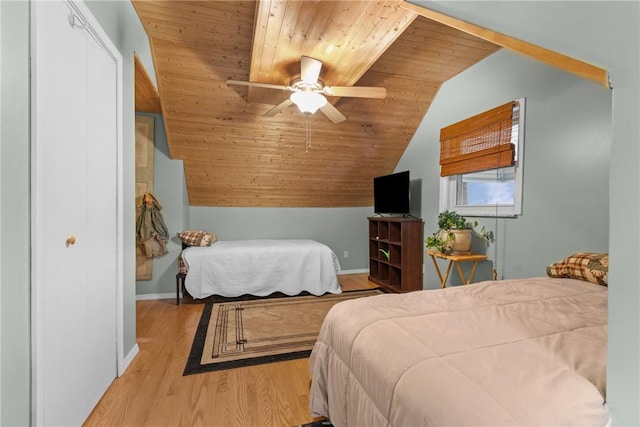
(74, 234)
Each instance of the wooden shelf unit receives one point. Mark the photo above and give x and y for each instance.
(403, 239)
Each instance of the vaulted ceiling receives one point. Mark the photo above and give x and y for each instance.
(235, 156)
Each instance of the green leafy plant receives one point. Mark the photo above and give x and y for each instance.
(450, 220)
(439, 242)
(386, 253)
(447, 221)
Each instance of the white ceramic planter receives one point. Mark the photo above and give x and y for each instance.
(461, 244)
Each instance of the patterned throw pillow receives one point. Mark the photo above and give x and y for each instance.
(197, 238)
(591, 267)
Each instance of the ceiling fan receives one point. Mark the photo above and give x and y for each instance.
(309, 91)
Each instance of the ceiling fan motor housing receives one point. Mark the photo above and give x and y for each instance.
(299, 84)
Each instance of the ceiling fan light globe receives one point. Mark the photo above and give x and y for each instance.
(308, 102)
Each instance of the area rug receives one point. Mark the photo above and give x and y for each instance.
(325, 423)
(243, 333)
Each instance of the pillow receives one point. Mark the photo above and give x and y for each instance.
(197, 238)
(591, 267)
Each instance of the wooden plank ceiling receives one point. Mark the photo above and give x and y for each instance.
(233, 155)
(147, 98)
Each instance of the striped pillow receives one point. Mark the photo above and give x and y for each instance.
(588, 266)
(197, 238)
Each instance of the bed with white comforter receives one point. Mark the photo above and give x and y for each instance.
(513, 352)
(261, 267)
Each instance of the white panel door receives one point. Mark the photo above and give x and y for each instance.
(101, 216)
(74, 216)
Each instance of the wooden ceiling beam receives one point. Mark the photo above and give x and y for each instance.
(147, 98)
(555, 59)
(348, 37)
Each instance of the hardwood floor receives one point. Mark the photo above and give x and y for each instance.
(153, 392)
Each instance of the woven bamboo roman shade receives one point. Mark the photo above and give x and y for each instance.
(478, 143)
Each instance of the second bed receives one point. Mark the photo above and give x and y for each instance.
(261, 267)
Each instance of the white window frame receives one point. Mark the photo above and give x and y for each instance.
(448, 184)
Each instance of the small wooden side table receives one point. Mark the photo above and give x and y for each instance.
(457, 259)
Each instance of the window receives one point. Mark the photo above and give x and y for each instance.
(489, 192)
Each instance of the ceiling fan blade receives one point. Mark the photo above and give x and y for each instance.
(275, 110)
(309, 69)
(356, 91)
(332, 113)
(256, 84)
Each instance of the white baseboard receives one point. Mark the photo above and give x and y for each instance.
(128, 359)
(155, 296)
(364, 270)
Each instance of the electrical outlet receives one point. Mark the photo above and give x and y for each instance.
(346, 254)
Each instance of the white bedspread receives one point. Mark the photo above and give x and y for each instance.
(261, 267)
(514, 352)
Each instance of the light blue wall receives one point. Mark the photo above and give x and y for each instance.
(568, 136)
(169, 189)
(566, 162)
(121, 23)
(342, 229)
(607, 34)
(602, 32)
(15, 334)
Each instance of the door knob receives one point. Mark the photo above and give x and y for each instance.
(71, 240)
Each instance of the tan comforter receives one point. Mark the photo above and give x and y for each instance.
(514, 352)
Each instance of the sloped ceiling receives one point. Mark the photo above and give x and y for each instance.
(147, 99)
(233, 155)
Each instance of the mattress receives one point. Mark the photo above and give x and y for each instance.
(261, 267)
(512, 352)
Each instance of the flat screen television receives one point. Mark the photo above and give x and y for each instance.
(391, 193)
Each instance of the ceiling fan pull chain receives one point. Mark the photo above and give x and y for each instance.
(307, 135)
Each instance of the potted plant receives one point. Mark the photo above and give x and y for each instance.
(454, 234)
